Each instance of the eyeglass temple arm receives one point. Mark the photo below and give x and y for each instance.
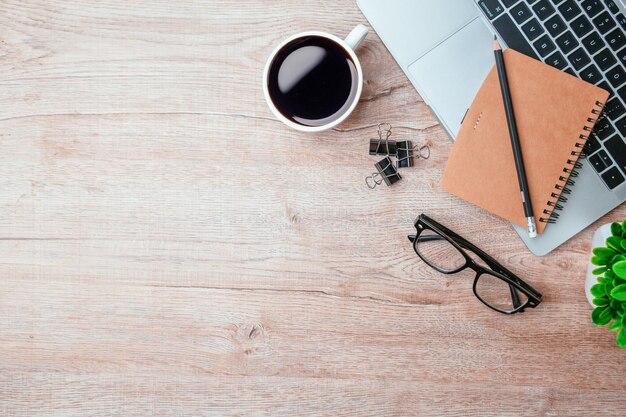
(490, 261)
(514, 296)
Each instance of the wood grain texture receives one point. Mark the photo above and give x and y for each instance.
(170, 249)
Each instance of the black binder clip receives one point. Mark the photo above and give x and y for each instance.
(379, 147)
(406, 152)
(386, 172)
(383, 146)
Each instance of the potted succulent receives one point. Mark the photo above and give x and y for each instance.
(609, 289)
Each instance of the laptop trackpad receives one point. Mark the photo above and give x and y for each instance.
(449, 76)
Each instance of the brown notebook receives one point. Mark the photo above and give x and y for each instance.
(555, 113)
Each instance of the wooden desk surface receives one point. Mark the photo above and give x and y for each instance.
(170, 249)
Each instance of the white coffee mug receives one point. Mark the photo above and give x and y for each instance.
(348, 44)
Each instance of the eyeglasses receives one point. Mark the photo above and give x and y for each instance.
(494, 285)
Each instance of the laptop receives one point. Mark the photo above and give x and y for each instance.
(445, 47)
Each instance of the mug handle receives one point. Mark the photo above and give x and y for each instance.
(355, 37)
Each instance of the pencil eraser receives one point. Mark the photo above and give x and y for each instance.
(532, 227)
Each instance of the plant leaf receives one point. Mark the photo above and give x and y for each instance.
(616, 325)
(619, 269)
(614, 242)
(619, 292)
(595, 315)
(601, 316)
(596, 260)
(599, 271)
(615, 259)
(609, 274)
(604, 252)
(623, 244)
(608, 287)
(601, 302)
(621, 338)
(615, 304)
(597, 290)
(616, 229)
(623, 227)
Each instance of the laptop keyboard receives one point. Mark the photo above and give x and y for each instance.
(587, 39)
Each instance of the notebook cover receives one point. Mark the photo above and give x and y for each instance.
(554, 112)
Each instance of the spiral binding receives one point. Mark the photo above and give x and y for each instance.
(565, 184)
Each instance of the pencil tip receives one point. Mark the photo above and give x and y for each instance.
(496, 44)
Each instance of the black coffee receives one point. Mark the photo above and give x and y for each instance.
(312, 81)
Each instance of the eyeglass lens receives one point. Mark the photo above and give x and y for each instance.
(491, 289)
(439, 252)
(497, 293)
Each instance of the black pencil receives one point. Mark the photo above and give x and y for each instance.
(517, 150)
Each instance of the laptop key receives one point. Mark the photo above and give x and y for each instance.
(592, 145)
(614, 108)
(592, 7)
(567, 42)
(605, 59)
(597, 162)
(569, 10)
(622, 94)
(612, 178)
(509, 3)
(621, 56)
(521, 13)
(612, 7)
(581, 26)
(533, 29)
(593, 43)
(616, 39)
(544, 45)
(604, 22)
(621, 19)
(579, 59)
(555, 25)
(591, 74)
(605, 157)
(603, 129)
(617, 149)
(512, 35)
(543, 9)
(621, 126)
(492, 8)
(556, 60)
(605, 86)
(616, 76)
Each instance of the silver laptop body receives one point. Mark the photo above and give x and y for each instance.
(445, 47)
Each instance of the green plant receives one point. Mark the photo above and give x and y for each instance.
(610, 291)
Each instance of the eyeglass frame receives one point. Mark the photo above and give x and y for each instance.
(496, 269)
